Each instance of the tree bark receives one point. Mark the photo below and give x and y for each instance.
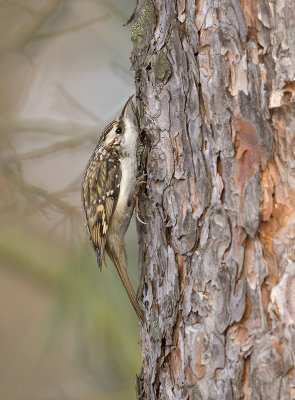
(215, 84)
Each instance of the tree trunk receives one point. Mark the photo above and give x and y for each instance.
(216, 86)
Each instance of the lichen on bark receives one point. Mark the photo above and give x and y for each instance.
(145, 19)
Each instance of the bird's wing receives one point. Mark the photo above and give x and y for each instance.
(100, 192)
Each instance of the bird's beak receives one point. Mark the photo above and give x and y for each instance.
(127, 109)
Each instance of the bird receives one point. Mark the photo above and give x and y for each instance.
(108, 187)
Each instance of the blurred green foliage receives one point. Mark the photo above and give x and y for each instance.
(105, 327)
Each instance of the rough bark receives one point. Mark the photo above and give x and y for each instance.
(216, 87)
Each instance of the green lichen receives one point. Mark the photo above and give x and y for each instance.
(146, 18)
(162, 66)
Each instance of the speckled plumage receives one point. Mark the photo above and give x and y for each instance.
(100, 192)
(108, 183)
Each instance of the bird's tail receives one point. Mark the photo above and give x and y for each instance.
(129, 289)
(116, 252)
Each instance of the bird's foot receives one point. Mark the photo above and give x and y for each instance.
(140, 181)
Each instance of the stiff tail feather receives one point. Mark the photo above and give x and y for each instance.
(129, 290)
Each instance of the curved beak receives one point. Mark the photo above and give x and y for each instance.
(127, 107)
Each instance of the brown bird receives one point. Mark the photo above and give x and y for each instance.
(108, 185)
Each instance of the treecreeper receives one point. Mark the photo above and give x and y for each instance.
(108, 189)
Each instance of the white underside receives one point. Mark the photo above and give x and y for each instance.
(123, 212)
(127, 184)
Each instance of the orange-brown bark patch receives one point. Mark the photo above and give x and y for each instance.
(242, 335)
(175, 358)
(249, 264)
(199, 19)
(278, 347)
(249, 158)
(246, 387)
(279, 223)
(200, 369)
(188, 375)
(180, 264)
(195, 196)
(291, 375)
(289, 88)
(248, 150)
(267, 188)
(249, 11)
(207, 109)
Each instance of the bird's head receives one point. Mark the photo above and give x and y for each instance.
(123, 131)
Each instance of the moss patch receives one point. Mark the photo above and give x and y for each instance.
(146, 18)
(162, 66)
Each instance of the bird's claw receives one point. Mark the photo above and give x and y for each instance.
(139, 182)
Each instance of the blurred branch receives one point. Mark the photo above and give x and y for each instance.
(20, 39)
(93, 21)
(27, 32)
(40, 199)
(41, 196)
(44, 151)
(20, 253)
(76, 105)
(23, 6)
(132, 16)
(48, 125)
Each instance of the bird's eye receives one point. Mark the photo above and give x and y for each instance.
(119, 130)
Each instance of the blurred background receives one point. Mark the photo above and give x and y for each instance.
(67, 331)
